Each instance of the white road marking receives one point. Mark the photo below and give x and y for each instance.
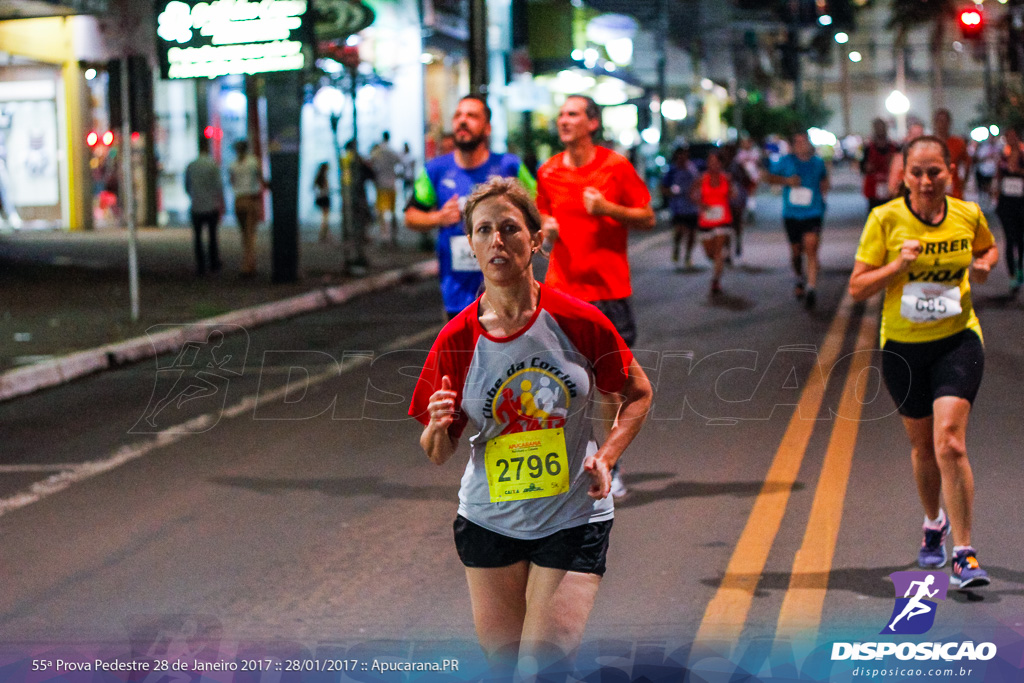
(14, 469)
(87, 470)
(652, 241)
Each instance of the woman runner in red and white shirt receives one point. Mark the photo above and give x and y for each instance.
(714, 193)
(518, 369)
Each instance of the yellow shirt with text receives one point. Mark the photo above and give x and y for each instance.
(947, 252)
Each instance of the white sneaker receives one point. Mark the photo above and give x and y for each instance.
(618, 489)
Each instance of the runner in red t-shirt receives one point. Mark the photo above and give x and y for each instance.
(878, 154)
(942, 121)
(714, 195)
(589, 197)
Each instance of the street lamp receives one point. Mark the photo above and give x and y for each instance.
(898, 105)
(329, 101)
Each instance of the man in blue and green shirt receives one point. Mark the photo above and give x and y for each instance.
(441, 190)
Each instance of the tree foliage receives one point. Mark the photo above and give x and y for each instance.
(760, 119)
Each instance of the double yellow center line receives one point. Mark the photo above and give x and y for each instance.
(726, 614)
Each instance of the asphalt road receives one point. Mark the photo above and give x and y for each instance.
(283, 505)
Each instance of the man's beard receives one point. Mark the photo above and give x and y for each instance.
(470, 144)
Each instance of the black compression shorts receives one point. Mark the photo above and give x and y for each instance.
(796, 228)
(620, 312)
(917, 374)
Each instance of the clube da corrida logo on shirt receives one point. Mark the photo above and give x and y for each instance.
(529, 458)
(531, 396)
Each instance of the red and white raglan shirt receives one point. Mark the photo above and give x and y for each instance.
(524, 400)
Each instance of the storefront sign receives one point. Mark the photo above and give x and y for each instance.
(341, 18)
(211, 39)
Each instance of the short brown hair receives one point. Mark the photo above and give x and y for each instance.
(483, 103)
(593, 112)
(504, 188)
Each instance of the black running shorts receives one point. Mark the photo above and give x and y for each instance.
(917, 374)
(620, 312)
(796, 228)
(577, 549)
(685, 220)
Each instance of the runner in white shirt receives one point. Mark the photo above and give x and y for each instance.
(518, 369)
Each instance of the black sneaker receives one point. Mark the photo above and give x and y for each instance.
(810, 299)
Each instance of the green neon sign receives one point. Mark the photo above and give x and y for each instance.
(211, 39)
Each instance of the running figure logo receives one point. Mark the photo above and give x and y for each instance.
(914, 612)
(531, 399)
(195, 382)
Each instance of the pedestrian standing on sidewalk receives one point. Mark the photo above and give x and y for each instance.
(357, 172)
(247, 183)
(206, 190)
(323, 200)
(805, 179)
(408, 166)
(589, 198)
(385, 161)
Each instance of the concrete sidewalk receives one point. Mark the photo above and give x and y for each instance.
(65, 308)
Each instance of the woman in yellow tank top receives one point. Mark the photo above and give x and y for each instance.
(924, 249)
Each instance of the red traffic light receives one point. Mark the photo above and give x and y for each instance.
(971, 22)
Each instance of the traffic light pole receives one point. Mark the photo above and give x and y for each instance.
(284, 93)
(478, 80)
(128, 193)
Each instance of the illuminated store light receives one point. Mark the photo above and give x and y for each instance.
(211, 61)
(674, 110)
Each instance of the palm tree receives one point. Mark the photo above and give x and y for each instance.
(906, 15)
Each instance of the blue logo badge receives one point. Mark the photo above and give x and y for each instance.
(916, 596)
